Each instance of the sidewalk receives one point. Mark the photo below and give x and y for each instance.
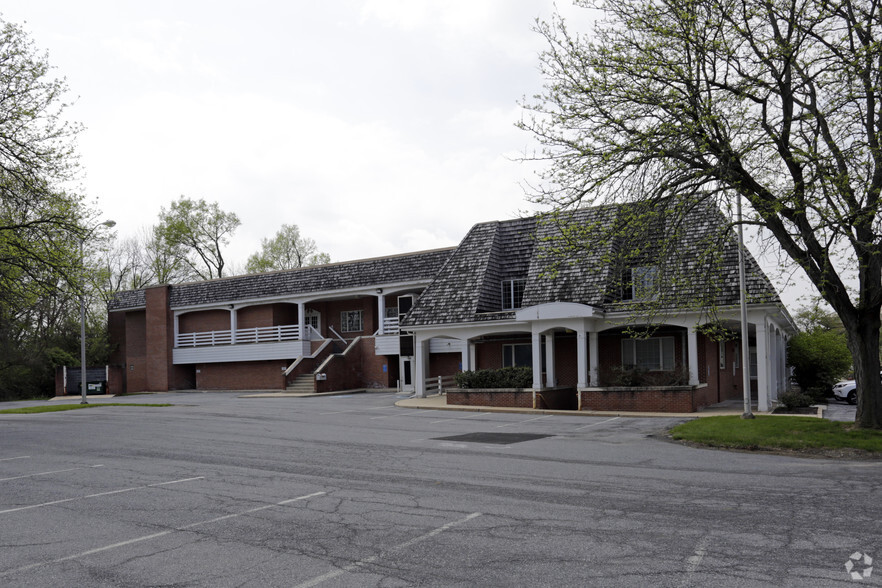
(439, 402)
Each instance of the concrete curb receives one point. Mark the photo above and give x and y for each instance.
(438, 402)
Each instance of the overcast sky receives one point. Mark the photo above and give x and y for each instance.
(376, 126)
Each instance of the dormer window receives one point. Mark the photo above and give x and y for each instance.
(513, 293)
(639, 283)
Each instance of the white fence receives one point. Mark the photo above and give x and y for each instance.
(252, 335)
(390, 325)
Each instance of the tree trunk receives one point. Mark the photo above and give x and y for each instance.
(863, 341)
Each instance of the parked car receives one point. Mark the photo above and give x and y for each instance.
(846, 390)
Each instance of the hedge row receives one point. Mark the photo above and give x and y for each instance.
(510, 377)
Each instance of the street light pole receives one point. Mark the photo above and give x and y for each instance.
(83, 384)
(745, 344)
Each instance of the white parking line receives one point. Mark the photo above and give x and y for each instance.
(368, 560)
(356, 410)
(11, 458)
(471, 416)
(63, 500)
(52, 472)
(405, 412)
(694, 560)
(595, 424)
(154, 535)
(522, 422)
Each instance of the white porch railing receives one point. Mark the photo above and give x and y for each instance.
(252, 335)
(390, 325)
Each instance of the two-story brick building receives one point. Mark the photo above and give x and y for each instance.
(493, 301)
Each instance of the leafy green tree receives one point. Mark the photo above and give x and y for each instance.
(191, 234)
(819, 358)
(776, 103)
(288, 249)
(42, 225)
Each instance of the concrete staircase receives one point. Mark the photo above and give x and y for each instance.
(304, 384)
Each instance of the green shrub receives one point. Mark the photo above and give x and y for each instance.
(632, 376)
(796, 400)
(819, 358)
(510, 377)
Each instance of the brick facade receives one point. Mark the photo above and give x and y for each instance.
(502, 397)
(245, 375)
(663, 399)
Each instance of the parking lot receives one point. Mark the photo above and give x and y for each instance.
(220, 490)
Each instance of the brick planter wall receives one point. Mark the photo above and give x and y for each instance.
(499, 397)
(660, 399)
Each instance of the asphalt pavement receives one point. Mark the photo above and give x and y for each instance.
(351, 490)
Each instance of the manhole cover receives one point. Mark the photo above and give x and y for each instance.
(495, 438)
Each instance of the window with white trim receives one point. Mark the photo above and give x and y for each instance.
(512, 293)
(517, 355)
(639, 283)
(351, 321)
(722, 346)
(653, 354)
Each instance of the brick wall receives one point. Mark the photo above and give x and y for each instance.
(135, 363)
(670, 399)
(159, 338)
(245, 375)
(331, 315)
(344, 372)
(202, 321)
(444, 364)
(499, 398)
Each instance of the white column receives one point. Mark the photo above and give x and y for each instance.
(301, 320)
(550, 372)
(581, 359)
(420, 365)
(692, 354)
(762, 365)
(783, 361)
(234, 324)
(177, 328)
(537, 361)
(466, 356)
(594, 357)
(381, 301)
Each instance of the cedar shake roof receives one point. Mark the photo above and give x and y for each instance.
(468, 287)
(408, 267)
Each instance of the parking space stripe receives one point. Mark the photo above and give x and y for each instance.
(153, 535)
(524, 421)
(402, 413)
(52, 472)
(595, 424)
(11, 458)
(471, 416)
(357, 410)
(108, 493)
(369, 560)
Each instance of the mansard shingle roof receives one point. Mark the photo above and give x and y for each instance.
(419, 266)
(468, 287)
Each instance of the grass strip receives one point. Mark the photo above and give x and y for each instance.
(771, 432)
(61, 407)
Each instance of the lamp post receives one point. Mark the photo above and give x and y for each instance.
(745, 344)
(83, 385)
